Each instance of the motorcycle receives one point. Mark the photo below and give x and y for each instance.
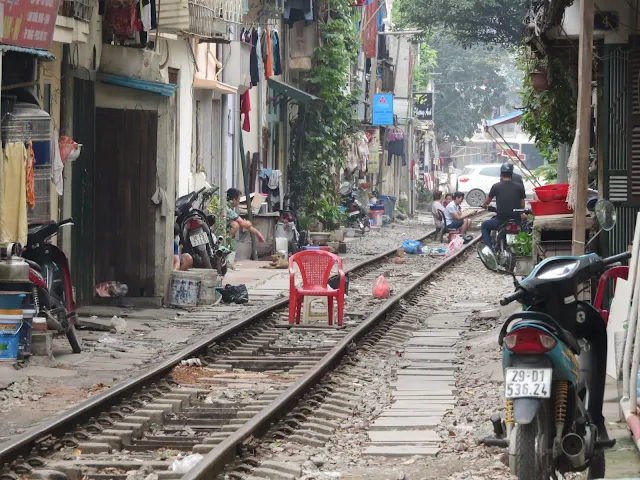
(194, 227)
(356, 212)
(50, 277)
(554, 360)
(290, 225)
(503, 256)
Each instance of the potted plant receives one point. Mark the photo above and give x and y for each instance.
(539, 77)
(523, 248)
(331, 217)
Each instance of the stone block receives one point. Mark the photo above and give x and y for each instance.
(42, 343)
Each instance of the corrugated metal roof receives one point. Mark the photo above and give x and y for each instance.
(43, 54)
(165, 89)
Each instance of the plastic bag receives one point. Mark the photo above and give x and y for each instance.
(381, 288)
(412, 246)
(111, 289)
(454, 245)
(235, 294)
(184, 464)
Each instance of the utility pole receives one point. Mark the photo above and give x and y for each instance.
(583, 125)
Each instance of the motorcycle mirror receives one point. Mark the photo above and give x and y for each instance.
(606, 214)
(487, 257)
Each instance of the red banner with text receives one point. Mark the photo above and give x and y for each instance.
(30, 23)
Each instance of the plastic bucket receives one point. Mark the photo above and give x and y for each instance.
(185, 289)
(11, 301)
(376, 216)
(10, 326)
(389, 205)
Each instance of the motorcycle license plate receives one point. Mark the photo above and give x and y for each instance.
(510, 238)
(527, 382)
(198, 239)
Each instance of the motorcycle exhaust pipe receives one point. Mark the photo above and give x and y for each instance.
(573, 448)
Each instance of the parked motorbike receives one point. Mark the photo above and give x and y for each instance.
(554, 361)
(503, 255)
(290, 223)
(50, 277)
(196, 237)
(356, 212)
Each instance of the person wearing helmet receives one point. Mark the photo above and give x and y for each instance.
(509, 196)
(514, 176)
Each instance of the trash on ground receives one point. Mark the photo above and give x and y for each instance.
(381, 288)
(191, 362)
(118, 324)
(412, 247)
(234, 293)
(184, 464)
(111, 289)
(454, 245)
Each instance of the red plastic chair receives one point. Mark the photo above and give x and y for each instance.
(315, 267)
(613, 273)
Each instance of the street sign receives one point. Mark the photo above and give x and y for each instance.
(423, 106)
(382, 109)
(30, 23)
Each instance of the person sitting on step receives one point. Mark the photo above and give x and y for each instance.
(234, 222)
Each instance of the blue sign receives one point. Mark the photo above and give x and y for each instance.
(382, 109)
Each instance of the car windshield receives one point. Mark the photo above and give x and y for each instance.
(468, 171)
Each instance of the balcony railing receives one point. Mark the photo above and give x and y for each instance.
(209, 19)
(78, 9)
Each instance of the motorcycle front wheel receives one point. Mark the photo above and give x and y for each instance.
(72, 337)
(531, 441)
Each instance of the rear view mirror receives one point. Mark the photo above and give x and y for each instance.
(487, 257)
(606, 214)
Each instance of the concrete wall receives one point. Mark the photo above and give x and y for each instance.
(571, 22)
(109, 96)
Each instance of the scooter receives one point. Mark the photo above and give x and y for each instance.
(356, 212)
(554, 360)
(290, 224)
(50, 277)
(194, 227)
(502, 256)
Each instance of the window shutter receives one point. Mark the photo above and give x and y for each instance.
(633, 166)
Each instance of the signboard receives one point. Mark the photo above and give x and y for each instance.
(29, 23)
(423, 106)
(382, 109)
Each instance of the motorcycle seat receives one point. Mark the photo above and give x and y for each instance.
(34, 228)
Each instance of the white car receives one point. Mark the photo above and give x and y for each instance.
(476, 182)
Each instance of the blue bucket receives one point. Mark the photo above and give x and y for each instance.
(11, 301)
(389, 205)
(10, 326)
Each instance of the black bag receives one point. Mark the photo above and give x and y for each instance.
(235, 294)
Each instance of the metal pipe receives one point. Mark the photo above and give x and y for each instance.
(573, 448)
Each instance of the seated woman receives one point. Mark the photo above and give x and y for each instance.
(181, 261)
(233, 219)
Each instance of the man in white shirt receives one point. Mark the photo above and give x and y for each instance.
(454, 216)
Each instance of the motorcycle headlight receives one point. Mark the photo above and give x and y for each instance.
(557, 271)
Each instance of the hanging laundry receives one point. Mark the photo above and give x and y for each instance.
(121, 17)
(277, 61)
(268, 63)
(396, 147)
(275, 188)
(30, 185)
(57, 167)
(13, 220)
(258, 45)
(253, 58)
(245, 108)
(296, 10)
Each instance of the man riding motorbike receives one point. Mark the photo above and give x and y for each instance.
(509, 196)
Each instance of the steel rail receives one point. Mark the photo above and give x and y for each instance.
(216, 460)
(58, 425)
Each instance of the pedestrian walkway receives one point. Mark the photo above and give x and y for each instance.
(424, 390)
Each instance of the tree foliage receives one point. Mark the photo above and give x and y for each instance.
(469, 22)
(469, 88)
(424, 67)
(321, 128)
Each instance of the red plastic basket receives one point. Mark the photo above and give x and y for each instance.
(554, 207)
(548, 193)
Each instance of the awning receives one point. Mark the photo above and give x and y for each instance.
(512, 117)
(165, 89)
(208, 84)
(43, 54)
(291, 92)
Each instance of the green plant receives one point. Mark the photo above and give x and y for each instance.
(320, 128)
(424, 195)
(220, 229)
(523, 244)
(331, 216)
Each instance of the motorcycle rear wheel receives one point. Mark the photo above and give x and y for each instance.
(598, 466)
(204, 256)
(529, 465)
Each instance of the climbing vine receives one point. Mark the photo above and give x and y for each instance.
(321, 127)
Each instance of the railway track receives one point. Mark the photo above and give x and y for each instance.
(255, 372)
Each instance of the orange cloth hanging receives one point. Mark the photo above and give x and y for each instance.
(268, 63)
(31, 193)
